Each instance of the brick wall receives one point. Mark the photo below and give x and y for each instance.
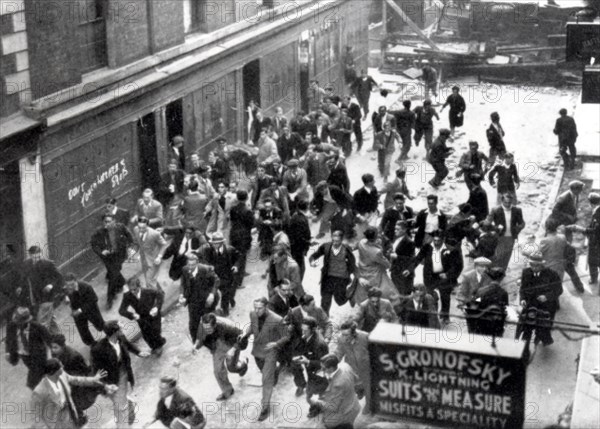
(14, 60)
(53, 48)
(127, 31)
(166, 22)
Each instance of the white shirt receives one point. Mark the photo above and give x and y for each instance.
(184, 246)
(507, 216)
(396, 243)
(478, 277)
(195, 272)
(59, 391)
(416, 304)
(304, 313)
(168, 400)
(117, 348)
(432, 222)
(436, 258)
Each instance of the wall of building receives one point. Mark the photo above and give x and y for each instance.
(14, 60)
(279, 76)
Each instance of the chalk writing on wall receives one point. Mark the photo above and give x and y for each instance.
(113, 175)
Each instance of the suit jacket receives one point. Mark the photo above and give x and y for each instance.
(565, 209)
(323, 133)
(467, 160)
(289, 270)
(548, 284)
(296, 183)
(422, 221)
(218, 217)
(273, 330)
(479, 202)
(38, 339)
(153, 211)
(391, 188)
(180, 157)
(313, 349)
(298, 231)
(470, 285)
(438, 152)
(280, 307)
(84, 298)
(495, 138)
(338, 176)
(221, 263)
(52, 414)
(405, 120)
(391, 216)
(151, 247)
(258, 185)
(324, 250)
(368, 315)
(363, 86)
(566, 130)
(101, 241)
(288, 147)
(121, 216)
(356, 355)
(425, 316)
(280, 200)
(339, 400)
(517, 223)
(294, 321)
(195, 289)
(182, 407)
(149, 298)
(194, 209)
(73, 362)
(176, 179)
(452, 264)
(226, 331)
(279, 124)
(37, 276)
(593, 233)
(180, 260)
(405, 255)
(104, 357)
(242, 221)
(378, 121)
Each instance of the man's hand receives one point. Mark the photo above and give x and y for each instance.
(210, 299)
(100, 375)
(443, 276)
(136, 316)
(234, 270)
(18, 291)
(406, 273)
(542, 298)
(270, 346)
(303, 360)
(523, 303)
(182, 300)
(154, 312)
(48, 288)
(158, 260)
(77, 312)
(144, 354)
(105, 252)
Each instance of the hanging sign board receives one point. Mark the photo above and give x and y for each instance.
(447, 379)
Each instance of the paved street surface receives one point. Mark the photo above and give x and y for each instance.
(527, 117)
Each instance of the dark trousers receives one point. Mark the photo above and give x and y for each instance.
(239, 277)
(427, 133)
(36, 370)
(593, 265)
(315, 385)
(195, 312)
(116, 281)
(298, 256)
(445, 290)
(363, 102)
(568, 158)
(441, 171)
(572, 272)
(151, 328)
(406, 144)
(270, 374)
(333, 287)
(358, 134)
(94, 316)
(404, 285)
(228, 289)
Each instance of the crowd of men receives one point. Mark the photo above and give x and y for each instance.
(202, 219)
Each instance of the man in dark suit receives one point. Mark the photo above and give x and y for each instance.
(429, 220)
(509, 222)
(172, 183)
(475, 279)
(402, 258)
(478, 199)
(419, 309)
(283, 300)
(269, 333)
(28, 341)
(362, 88)
(405, 122)
(540, 289)
(342, 130)
(323, 131)
(43, 283)
(308, 353)
(391, 216)
(225, 261)
(240, 234)
(566, 130)
(442, 265)
(437, 157)
(220, 335)
(120, 215)
(339, 265)
(356, 115)
(261, 182)
(495, 136)
(593, 233)
(288, 145)
(279, 121)
(199, 285)
(144, 306)
(298, 231)
(176, 407)
(269, 220)
(338, 175)
(110, 242)
(111, 354)
(565, 207)
(188, 240)
(149, 208)
(380, 118)
(84, 308)
(373, 309)
(176, 152)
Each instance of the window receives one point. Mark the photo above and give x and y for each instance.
(91, 15)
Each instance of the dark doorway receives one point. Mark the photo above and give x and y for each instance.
(146, 130)
(174, 117)
(304, 87)
(251, 82)
(11, 210)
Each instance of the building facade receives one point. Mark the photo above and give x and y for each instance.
(94, 90)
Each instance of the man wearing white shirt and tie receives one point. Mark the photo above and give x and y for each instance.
(152, 246)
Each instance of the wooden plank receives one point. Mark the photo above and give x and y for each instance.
(411, 24)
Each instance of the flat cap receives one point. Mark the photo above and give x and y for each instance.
(594, 198)
(445, 132)
(576, 184)
(482, 261)
(293, 163)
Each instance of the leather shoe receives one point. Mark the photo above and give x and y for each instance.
(299, 391)
(225, 395)
(244, 369)
(264, 414)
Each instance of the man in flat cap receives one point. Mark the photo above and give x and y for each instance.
(540, 289)
(566, 130)
(475, 279)
(593, 233)
(437, 157)
(565, 208)
(295, 180)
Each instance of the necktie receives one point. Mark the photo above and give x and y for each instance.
(24, 339)
(143, 237)
(68, 400)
